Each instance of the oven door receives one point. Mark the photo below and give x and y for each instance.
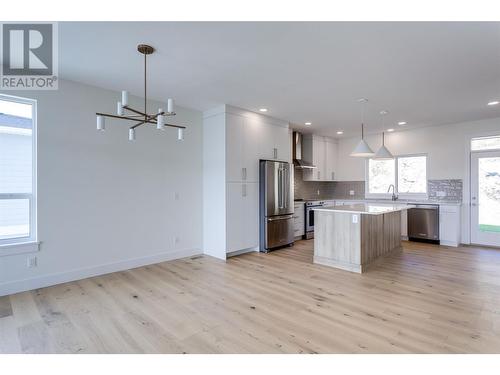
(310, 218)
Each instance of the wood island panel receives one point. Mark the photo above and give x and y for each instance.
(340, 243)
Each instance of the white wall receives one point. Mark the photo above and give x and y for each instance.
(447, 148)
(105, 203)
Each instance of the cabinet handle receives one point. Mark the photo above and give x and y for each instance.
(243, 174)
(275, 153)
(333, 175)
(319, 174)
(244, 190)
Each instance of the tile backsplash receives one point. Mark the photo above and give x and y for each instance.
(310, 189)
(343, 189)
(441, 190)
(445, 190)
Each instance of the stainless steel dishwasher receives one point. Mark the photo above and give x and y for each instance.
(423, 223)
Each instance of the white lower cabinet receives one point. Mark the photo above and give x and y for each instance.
(449, 225)
(299, 224)
(242, 215)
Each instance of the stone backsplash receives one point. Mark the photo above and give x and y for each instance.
(445, 190)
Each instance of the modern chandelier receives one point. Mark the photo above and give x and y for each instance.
(141, 118)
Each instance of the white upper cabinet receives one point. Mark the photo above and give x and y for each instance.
(321, 152)
(234, 147)
(274, 142)
(247, 141)
(330, 159)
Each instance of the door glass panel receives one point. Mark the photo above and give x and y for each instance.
(14, 218)
(489, 194)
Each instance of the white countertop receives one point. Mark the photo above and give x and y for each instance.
(387, 201)
(367, 208)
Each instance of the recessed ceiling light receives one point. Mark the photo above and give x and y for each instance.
(402, 123)
(340, 132)
(390, 130)
(307, 123)
(263, 109)
(494, 102)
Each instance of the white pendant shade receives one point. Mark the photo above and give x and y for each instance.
(180, 134)
(170, 105)
(119, 109)
(160, 120)
(362, 150)
(131, 134)
(100, 123)
(383, 154)
(124, 98)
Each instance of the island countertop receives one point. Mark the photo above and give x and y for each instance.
(367, 208)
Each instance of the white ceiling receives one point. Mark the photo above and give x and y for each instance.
(422, 73)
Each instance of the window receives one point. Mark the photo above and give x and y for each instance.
(17, 170)
(485, 143)
(408, 174)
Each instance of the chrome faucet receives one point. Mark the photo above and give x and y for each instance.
(394, 196)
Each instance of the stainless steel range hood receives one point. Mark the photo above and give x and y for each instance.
(297, 153)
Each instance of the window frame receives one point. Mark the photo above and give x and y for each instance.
(33, 233)
(496, 135)
(425, 195)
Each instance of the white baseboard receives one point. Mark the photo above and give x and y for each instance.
(244, 251)
(83, 273)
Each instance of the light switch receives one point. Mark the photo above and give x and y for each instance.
(354, 219)
(351, 192)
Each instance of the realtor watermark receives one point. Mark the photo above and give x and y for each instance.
(29, 56)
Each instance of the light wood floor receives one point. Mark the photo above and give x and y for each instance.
(427, 299)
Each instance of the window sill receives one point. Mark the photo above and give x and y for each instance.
(19, 248)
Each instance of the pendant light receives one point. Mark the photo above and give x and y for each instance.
(362, 150)
(383, 153)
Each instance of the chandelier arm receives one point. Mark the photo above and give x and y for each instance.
(116, 116)
(138, 124)
(134, 110)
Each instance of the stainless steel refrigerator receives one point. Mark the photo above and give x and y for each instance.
(276, 204)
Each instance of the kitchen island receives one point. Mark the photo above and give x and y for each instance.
(353, 237)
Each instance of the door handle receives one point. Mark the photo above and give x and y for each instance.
(279, 218)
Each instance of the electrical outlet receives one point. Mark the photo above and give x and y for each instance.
(351, 192)
(32, 262)
(440, 193)
(354, 219)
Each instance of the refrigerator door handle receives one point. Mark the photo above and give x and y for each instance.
(286, 217)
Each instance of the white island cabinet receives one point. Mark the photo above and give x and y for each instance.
(234, 140)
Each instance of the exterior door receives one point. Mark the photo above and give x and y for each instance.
(485, 198)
